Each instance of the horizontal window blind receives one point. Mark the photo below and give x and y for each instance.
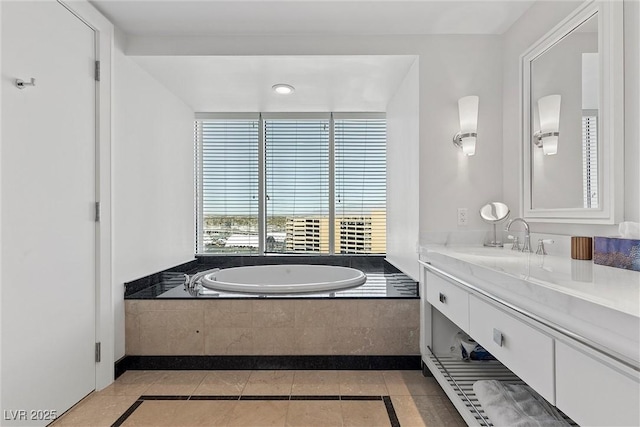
(297, 185)
(360, 185)
(590, 160)
(294, 154)
(229, 185)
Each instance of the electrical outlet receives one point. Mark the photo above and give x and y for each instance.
(463, 217)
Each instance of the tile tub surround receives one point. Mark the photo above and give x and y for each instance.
(284, 398)
(259, 327)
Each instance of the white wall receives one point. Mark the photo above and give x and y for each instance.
(152, 174)
(535, 23)
(457, 66)
(450, 67)
(403, 185)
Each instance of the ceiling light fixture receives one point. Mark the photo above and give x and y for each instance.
(283, 89)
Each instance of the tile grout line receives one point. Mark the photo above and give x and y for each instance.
(286, 415)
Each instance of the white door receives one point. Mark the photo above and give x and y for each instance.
(47, 199)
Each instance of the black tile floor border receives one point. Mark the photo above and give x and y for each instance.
(127, 413)
(173, 363)
(391, 413)
(360, 398)
(328, 397)
(208, 397)
(261, 397)
(164, 397)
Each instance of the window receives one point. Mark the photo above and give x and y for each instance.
(360, 185)
(323, 183)
(227, 157)
(297, 185)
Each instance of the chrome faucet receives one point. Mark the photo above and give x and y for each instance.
(541, 250)
(526, 245)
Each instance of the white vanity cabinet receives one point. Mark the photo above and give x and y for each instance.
(449, 299)
(525, 350)
(589, 384)
(594, 389)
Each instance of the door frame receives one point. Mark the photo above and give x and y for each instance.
(104, 310)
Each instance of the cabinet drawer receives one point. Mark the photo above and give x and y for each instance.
(449, 299)
(523, 349)
(594, 393)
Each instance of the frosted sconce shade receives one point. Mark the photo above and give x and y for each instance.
(549, 113)
(468, 145)
(468, 113)
(468, 110)
(550, 145)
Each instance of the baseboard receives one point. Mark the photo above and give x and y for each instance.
(266, 362)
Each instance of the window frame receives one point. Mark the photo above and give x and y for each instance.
(261, 117)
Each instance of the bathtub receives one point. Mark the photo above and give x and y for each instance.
(281, 279)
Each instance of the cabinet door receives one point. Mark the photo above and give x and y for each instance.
(593, 391)
(449, 299)
(523, 349)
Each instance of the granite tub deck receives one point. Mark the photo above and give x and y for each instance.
(380, 318)
(383, 279)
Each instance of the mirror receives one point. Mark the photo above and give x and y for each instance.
(572, 119)
(567, 163)
(493, 213)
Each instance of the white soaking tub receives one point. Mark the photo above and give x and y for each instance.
(283, 279)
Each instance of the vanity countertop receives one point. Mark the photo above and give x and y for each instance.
(597, 302)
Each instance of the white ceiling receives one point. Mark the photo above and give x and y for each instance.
(323, 83)
(312, 17)
(243, 83)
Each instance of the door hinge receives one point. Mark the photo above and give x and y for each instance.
(97, 217)
(97, 71)
(98, 352)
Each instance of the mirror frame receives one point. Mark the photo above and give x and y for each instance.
(611, 113)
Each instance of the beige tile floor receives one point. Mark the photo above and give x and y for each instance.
(418, 401)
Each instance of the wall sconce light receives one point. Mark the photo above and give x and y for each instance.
(549, 113)
(466, 138)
